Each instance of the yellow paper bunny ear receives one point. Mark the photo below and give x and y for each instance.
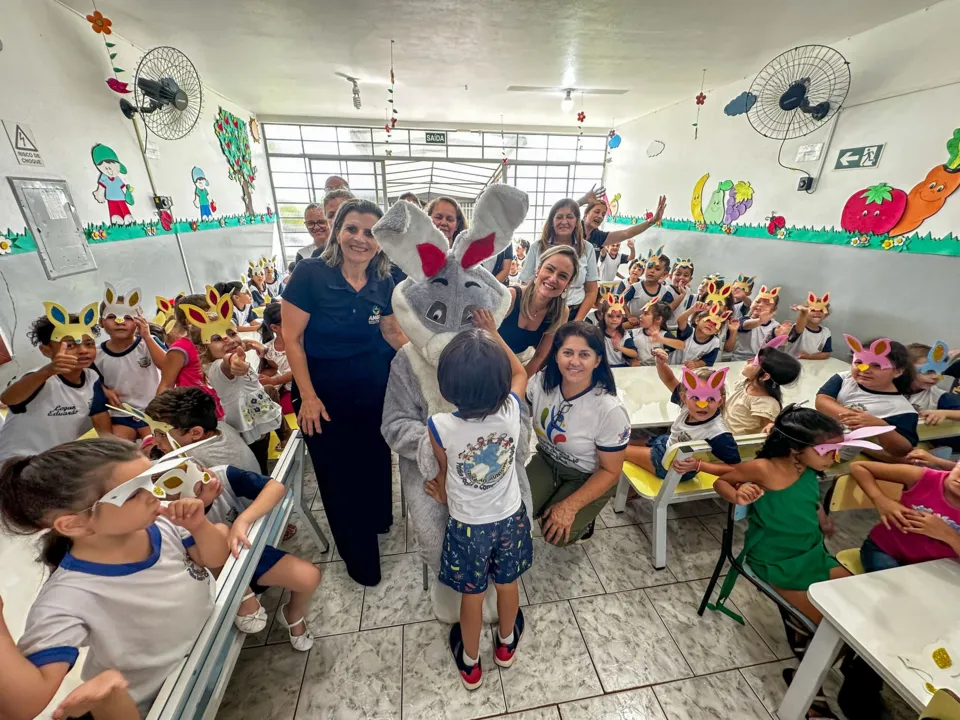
(198, 317)
(63, 328)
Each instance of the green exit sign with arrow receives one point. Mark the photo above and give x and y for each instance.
(859, 157)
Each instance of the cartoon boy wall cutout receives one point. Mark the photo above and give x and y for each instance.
(111, 188)
(201, 196)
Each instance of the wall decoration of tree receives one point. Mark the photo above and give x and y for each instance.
(231, 131)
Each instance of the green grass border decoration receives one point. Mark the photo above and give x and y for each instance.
(914, 243)
(23, 242)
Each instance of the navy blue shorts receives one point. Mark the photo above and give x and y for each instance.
(471, 554)
(270, 557)
(658, 448)
(129, 422)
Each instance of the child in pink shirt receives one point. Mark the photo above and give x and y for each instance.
(182, 366)
(924, 524)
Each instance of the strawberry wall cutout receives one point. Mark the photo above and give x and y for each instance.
(875, 210)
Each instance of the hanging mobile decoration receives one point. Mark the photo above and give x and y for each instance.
(391, 94)
(614, 140)
(503, 146)
(701, 99)
(102, 26)
(386, 126)
(581, 116)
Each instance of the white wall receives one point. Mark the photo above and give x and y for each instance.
(52, 71)
(903, 94)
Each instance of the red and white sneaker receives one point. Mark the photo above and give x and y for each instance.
(471, 677)
(503, 654)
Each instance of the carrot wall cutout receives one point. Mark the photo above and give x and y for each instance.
(929, 197)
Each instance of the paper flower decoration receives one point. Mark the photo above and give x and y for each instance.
(99, 23)
(729, 229)
(701, 99)
(581, 116)
(193, 225)
(781, 233)
(701, 226)
(166, 220)
(5, 246)
(223, 222)
(887, 244)
(151, 229)
(118, 86)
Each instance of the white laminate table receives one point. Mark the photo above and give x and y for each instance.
(648, 402)
(882, 616)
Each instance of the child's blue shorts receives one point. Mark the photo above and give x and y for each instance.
(658, 448)
(502, 550)
(270, 557)
(129, 422)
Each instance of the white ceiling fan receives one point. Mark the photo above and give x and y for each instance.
(566, 105)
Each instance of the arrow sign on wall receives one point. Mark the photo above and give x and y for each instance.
(859, 157)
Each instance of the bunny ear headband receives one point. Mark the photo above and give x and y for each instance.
(704, 391)
(717, 294)
(770, 294)
(220, 325)
(683, 263)
(854, 439)
(155, 426)
(144, 481)
(653, 258)
(877, 353)
(773, 342)
(63, 328)
(938, 359)
(815, 303)
(408, 237)
(718, 314)
(744, 283)
(120, 311)
(614, 302)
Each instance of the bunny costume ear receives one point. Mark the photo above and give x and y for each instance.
(774, 342)
(120, 310)
(703, 391)
(938, 359)
(155, 425)
(717, 294)
(498, 212)
(63, 328)
(409, 238)
(221, 306)
(877, 353)
(855, 439)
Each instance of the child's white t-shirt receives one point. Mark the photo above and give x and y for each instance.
(689, 298)
(482, 484)
(245, 316)
(809, 341)
(637, 339)
(609, 264)
(934, 398)
(749, 342)
(572, 430)
(240, 488)
(615, 357)
(140, 619)
(713, 431)
(246, 406)
(280, 360)
(890, 406)
(56, 413)
(637, 296)
(694, 350)
(131, 373)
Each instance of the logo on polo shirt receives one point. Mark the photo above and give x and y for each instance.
(63, 410)
(374, 318)
(144, 362)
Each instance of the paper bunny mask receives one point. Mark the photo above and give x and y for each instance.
(63, 328)
(938, 359)
(744, 283)
(444, 284)
(145, 480)
(683, 263)
(855, 439)
(718, 314)
(815, 303)
(717, 292)
(119, 311)
(877, 353)
(221, 324)
(704, 391)
(773, 342)
(653, 257)
(766, 294)
(183, 478)
(614, 302)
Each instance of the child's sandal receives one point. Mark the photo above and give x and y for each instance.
(251, 624)
(300, 642)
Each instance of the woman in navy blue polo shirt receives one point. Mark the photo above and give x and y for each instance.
(340, 333)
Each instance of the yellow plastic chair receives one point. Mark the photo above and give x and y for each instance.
(945, 705)
(847, 495)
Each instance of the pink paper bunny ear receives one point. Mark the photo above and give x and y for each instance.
(497, 213)
(776, 341)
(855, 439)
(877, 353)
(409, 238)
(691, 381)
(853, 343)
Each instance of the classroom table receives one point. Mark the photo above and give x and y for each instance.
(648, 401)
(882, 616)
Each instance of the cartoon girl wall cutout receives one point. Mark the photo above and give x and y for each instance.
(201, 196)
(111, 189)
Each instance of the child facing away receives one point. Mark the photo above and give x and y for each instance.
(60, 401)
(181, 366)
(236, 499)
(650, 334)
(609, 260)
(924, 524)
(489, 530)
(191, 416)
(114, 551)
(701, 399)
(698, 327)
(679, 285)
(757, 399)
(873, 393)
(610, 318)
(755, 330)
(651, 288)
(130, 360)
(245, 403)
(809, 340)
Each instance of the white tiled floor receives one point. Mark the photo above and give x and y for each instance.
(608, 637)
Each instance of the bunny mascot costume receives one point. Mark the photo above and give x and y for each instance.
(443, 287)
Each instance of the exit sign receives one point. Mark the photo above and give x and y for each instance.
(436, 138)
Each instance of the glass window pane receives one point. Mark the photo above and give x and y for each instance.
(556, 185)
(364, 168)
(532, 141)
(428, 150)
(292, 195)
(331, 167)
(291, 210)
(291, 164)
(321, 148)
(590, 156)
(355, 148)
(466, 152)
(362, 182)
(557, 171)
(418, 136)
(563, 142)
(322, 133)
(593, 142)
(463, 137)
(569, 156)
(526, 170)
(348, 134)
(531, 154)
(493, 153)
(289, 180)
(396, 149)
(286, 147)
(281, 132)
(526, 184)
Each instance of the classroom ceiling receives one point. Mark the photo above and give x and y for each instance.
(455, 60)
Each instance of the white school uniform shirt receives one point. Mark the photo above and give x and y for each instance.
(280, 360)
(245, 316)
(140, 618)
(56, 413)
(246, 406)
(587, 273)
(240, 489)
(482, 484)
(713, 431)
(707, 351)
(890, 406)
(749, 342)
(609, 264)
(809, 341)
(934, 398)
(637, 297)
(572, 430)
(615, 357)
(132, 373)
(638, 340)
(688, 301)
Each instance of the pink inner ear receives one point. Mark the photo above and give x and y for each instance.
(432, 259)
(478, 251)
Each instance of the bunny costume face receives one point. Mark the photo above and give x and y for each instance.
(444, 284)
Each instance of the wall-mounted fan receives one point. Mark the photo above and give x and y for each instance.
(167, 93)
(798, 91)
